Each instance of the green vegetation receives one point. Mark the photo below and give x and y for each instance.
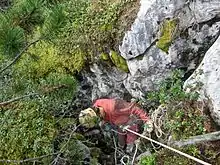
(148, 160)
(171, 90)
(113, 58)
(184, 117)
(27, 130)
(168, 31)
(184, 121)
(119, 61)
(43, 43)
(167, 157)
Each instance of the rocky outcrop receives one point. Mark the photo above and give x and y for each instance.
(107, 82)
(196, 27)
(206, 80)
(4, 4)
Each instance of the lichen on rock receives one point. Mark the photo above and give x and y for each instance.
(168, 31)
(119, 61)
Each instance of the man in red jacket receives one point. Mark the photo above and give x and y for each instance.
(118, 113)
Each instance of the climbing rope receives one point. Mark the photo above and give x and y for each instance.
(170, 148)
(157, 118)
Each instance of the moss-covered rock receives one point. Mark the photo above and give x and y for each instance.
(167, 32)
(104, 57)
(119, 61)
(44, 58)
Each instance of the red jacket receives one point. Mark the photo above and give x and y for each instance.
(118, 111)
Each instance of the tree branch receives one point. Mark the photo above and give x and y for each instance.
(197, 139)
(19, 55)
(2, 104)
(29, 159)
(47, 90)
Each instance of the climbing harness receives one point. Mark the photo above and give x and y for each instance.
(170, 148)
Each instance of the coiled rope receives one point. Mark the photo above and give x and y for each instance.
(157, 119)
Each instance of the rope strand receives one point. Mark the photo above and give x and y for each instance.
(170, 148)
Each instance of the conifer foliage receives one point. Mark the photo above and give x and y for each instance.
(43, 43)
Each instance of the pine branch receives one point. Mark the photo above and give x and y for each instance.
(19, 56)
(47, 90)
(29, 159)
(2, 104)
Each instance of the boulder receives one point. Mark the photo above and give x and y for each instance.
(197, 27)
(154, 46)
(206, 80)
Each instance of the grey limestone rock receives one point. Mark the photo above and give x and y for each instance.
(197, 29)
(206, 80)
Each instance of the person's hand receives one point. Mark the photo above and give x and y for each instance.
(137, 141)
(106, 127)
(101, 123)
(148, 126)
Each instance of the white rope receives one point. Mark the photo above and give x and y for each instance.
(122, 159)
(135, 152)
(158, 122)
(170, 148)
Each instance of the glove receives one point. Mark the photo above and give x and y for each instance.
(106, 126)
(148, 127)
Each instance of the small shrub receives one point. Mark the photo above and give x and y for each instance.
(43, 58)
(171, 90)
(184, 120)
(148, 160)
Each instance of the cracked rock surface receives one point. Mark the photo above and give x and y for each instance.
(206, 80)
(198, 28)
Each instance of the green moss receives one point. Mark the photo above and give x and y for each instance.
(104, 57)
(65, 122)
(44, 58)
(119, 61)
(27, 130)
(74, 61)
(167, 33)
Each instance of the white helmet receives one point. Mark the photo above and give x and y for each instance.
(88, 118)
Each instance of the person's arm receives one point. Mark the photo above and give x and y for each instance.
(140, 113)
(148, 124)
(96, 104)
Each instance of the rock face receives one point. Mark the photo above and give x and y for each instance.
(197, 27)
(196, 30)
(107, 82)
(206, 80)
(4, 4)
